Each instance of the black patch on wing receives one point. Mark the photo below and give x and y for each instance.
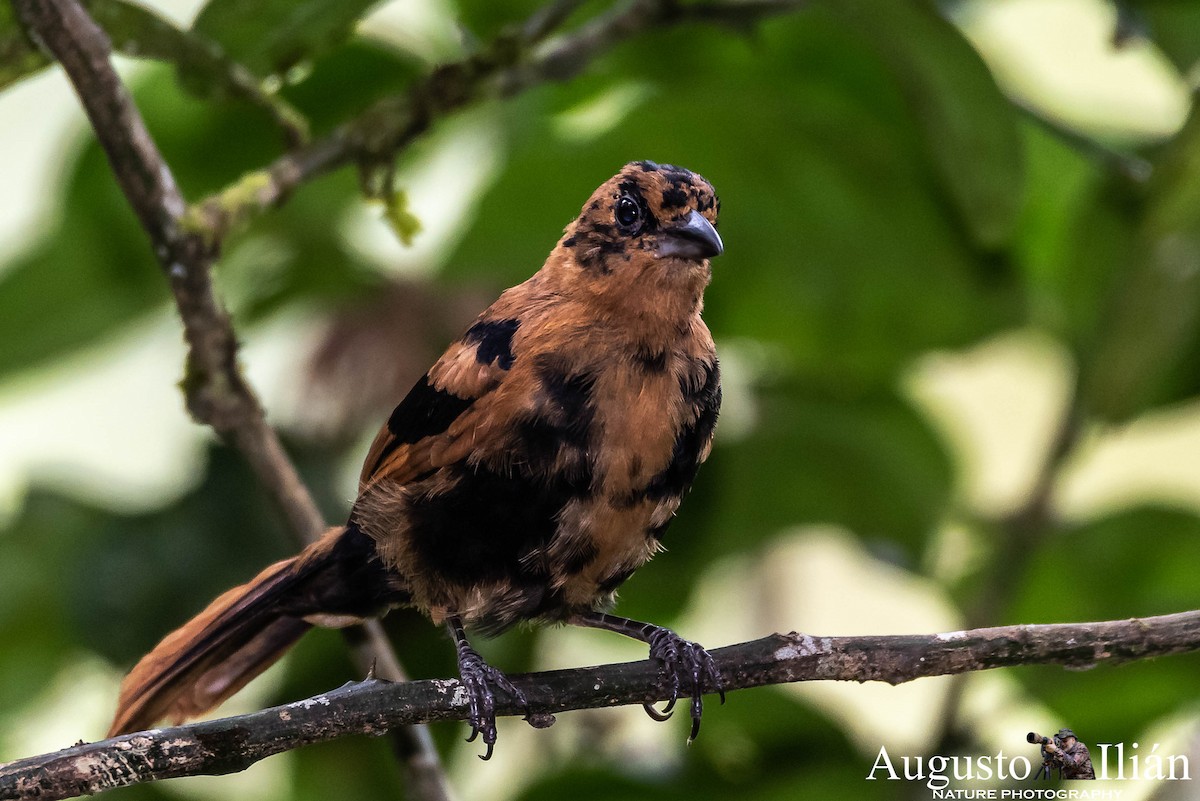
(425, 411)
(493, 341)
(479, 530)
(679, 474)
(482, 528)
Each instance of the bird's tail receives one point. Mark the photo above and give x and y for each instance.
(336, 581)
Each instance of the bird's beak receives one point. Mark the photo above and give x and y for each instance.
(693, 237)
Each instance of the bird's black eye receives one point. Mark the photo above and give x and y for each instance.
(629, 214)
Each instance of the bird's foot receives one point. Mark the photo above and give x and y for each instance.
(689, 668)
(480, 681)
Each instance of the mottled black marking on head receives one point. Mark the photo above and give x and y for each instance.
(675, 197)
(493, 339)
(704, 396)
(663, 193)
(424, 412)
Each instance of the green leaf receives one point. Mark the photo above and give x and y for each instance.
(1131, 564)
(967, 126)
(19, 57)
(1174, 27)
(1071, 241)
(484, 19)
(348, 80)
(94, 272)
(133, 578)
(1148, 337)
(141, 33)
(871, 465)
(839, 247)
(762, 744)
(1105, 570)
(271, 37)
(202, 67)
(86, 279)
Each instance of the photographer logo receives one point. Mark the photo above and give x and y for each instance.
(1061, 756)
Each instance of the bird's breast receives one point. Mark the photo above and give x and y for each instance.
(652, 424)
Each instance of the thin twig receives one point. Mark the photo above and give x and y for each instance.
(370, 707)
(215, 390)
(511, 64)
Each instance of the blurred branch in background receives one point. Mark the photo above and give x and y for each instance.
(233, 744)
(510, 64)
(216, 392)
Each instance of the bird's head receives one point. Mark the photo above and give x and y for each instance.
(649, 229)
(647, 211)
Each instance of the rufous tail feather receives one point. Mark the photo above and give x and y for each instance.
(242, 633)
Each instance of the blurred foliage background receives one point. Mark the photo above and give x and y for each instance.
(959, 319)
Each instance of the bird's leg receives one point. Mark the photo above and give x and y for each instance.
(688, 667)
(479, 679)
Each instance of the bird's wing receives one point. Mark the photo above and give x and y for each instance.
(422, 433)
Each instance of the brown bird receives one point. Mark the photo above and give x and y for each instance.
(525, 477)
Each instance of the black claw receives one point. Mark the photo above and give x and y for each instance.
(684, 662)
(656, 715)
(480, 679)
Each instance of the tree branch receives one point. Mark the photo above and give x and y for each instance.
(517, 60)
(370, 707)
(215, 390)
(185, 243)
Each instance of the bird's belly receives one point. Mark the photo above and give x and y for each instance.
(600, 543)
